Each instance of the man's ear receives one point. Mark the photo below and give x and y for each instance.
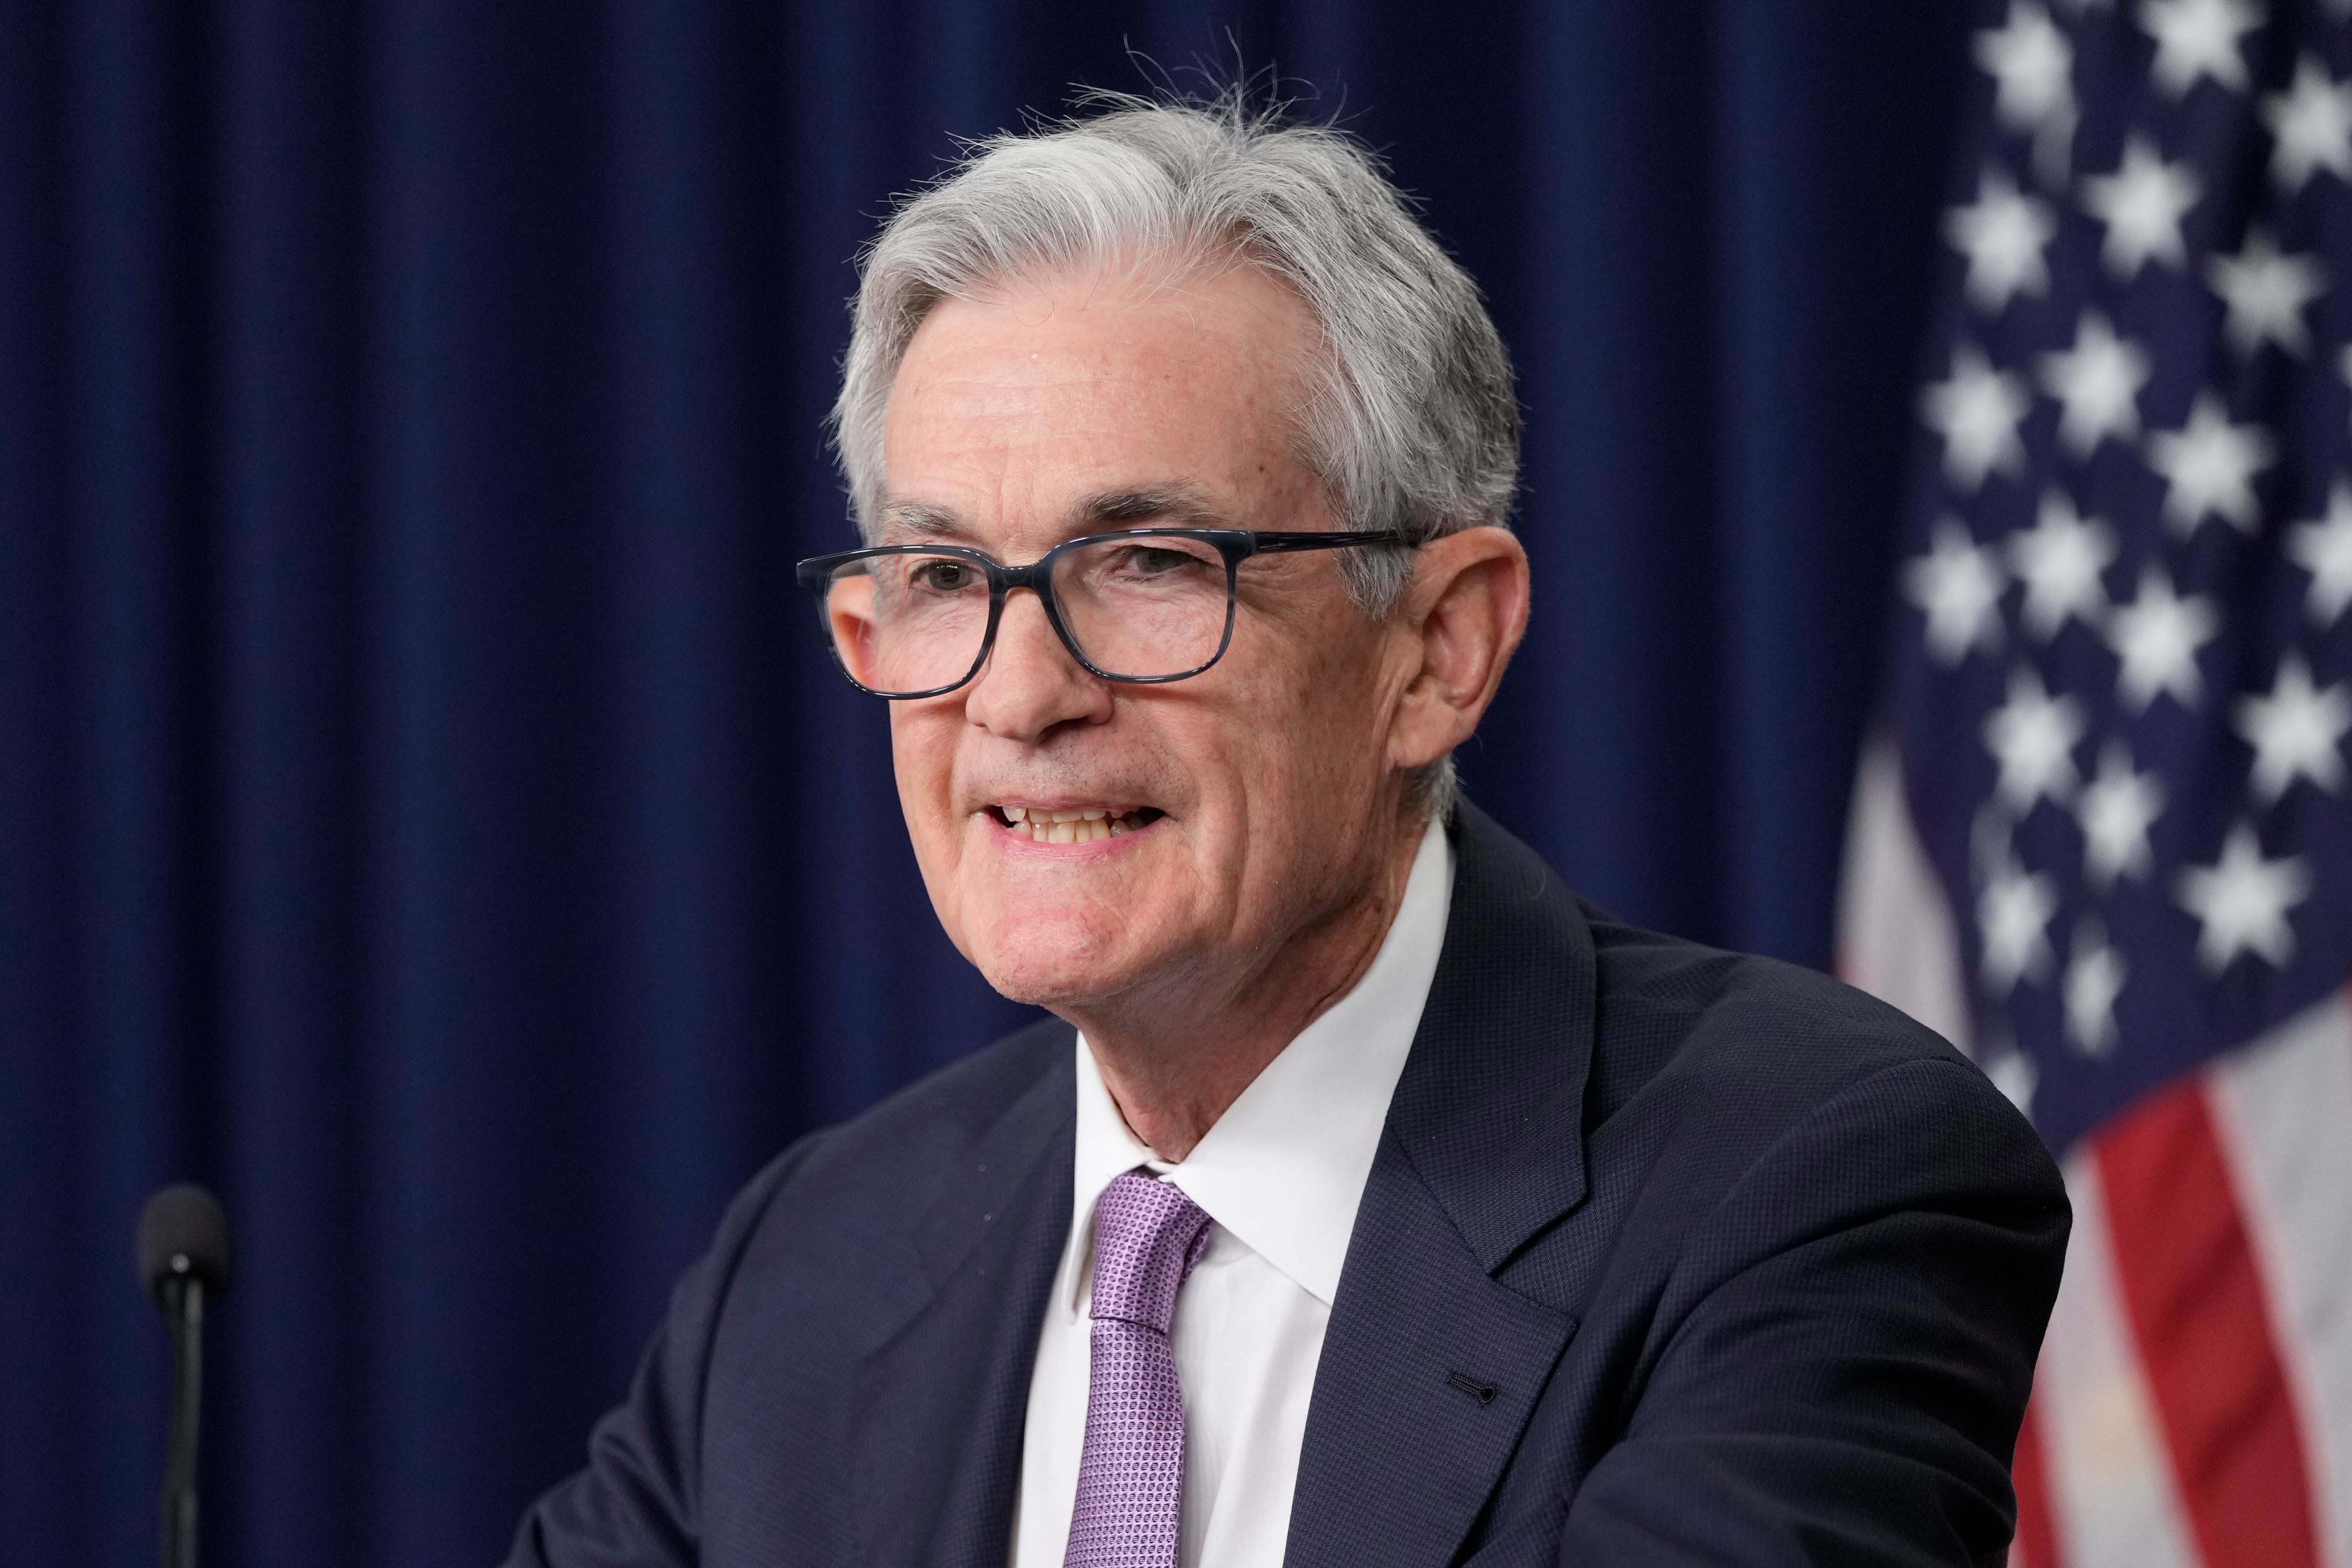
(1462, 616)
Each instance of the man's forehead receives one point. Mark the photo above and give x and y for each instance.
(1073, 406)
(1177, 504)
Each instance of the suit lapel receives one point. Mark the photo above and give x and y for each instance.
(1430, 1366)
(936, 1434)
(1429, 1372)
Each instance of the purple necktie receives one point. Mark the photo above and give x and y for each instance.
(1147, 1236)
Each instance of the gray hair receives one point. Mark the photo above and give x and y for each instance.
(1411, 421)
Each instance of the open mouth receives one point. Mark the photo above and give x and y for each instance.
(1078, 825)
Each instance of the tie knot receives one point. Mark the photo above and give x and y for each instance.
(1147, 1235)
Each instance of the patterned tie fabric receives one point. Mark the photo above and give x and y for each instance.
(1147, 1236)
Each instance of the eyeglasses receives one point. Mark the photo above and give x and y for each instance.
(1145, 607)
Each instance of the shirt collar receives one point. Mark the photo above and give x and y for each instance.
(1285, 1166)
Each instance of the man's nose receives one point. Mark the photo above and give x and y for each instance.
(1030, 683)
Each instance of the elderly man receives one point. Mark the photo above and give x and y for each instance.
(1369, 1198)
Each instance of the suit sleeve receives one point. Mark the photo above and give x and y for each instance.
(637, 1504)
(1840, 1361)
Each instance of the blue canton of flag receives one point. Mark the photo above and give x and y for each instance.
(2125, 673)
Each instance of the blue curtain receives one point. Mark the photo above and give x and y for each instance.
(425, 811)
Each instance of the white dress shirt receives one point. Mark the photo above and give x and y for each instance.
(1280, 1176)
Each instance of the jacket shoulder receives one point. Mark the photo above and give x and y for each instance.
(1671, 1012)
(897, 1149)
(961, 1100)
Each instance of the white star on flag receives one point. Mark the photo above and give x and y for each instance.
(2312, 123)
(2323, 547)
(2295, 731)
(2097, 383)
(2060, 558)
(1958, 584)
(2002, 237)
(2157, 637)
(2028, 57)
(1977, 412)
(2116, 808)
(2142, 204)
(2094, 978)
(2200, 37)
(2034, 734)
(2266, 292)
(2013, 913)
(2208, 466)
(2031, 63)
(2241, 901)
(2014, 1074)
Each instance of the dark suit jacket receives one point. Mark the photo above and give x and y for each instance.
(1668, 1255)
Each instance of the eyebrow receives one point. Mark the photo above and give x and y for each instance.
(1180, 504)
(913, 521)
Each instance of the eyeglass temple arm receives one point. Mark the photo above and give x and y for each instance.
(1280, 544)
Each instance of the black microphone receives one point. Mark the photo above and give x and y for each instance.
(182, 1260)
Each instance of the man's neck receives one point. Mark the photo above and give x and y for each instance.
(1174, 1063)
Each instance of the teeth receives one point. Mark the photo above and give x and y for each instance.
(1083, 825)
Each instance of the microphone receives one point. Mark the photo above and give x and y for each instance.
(182, 1261)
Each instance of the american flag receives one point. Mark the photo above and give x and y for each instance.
(2103, 840)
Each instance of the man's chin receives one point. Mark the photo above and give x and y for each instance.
(1030, 967)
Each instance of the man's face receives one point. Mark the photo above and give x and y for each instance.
(1257, 799)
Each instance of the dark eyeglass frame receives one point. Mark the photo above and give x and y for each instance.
(1236, 545)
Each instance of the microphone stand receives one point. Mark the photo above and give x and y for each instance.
(184, 1308)
(183, 1255)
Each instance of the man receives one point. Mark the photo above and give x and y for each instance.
(1370, 1199)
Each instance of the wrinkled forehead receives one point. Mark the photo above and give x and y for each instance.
(1177, 505)
(1084, 401)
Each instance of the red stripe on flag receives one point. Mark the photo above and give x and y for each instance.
(2037, 1532)
(2194, 1295)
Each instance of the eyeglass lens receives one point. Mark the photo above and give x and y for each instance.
(1139, 605)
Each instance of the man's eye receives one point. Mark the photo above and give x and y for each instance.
(944, 576)
(1145, 560)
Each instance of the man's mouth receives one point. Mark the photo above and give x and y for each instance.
(1076, 824)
